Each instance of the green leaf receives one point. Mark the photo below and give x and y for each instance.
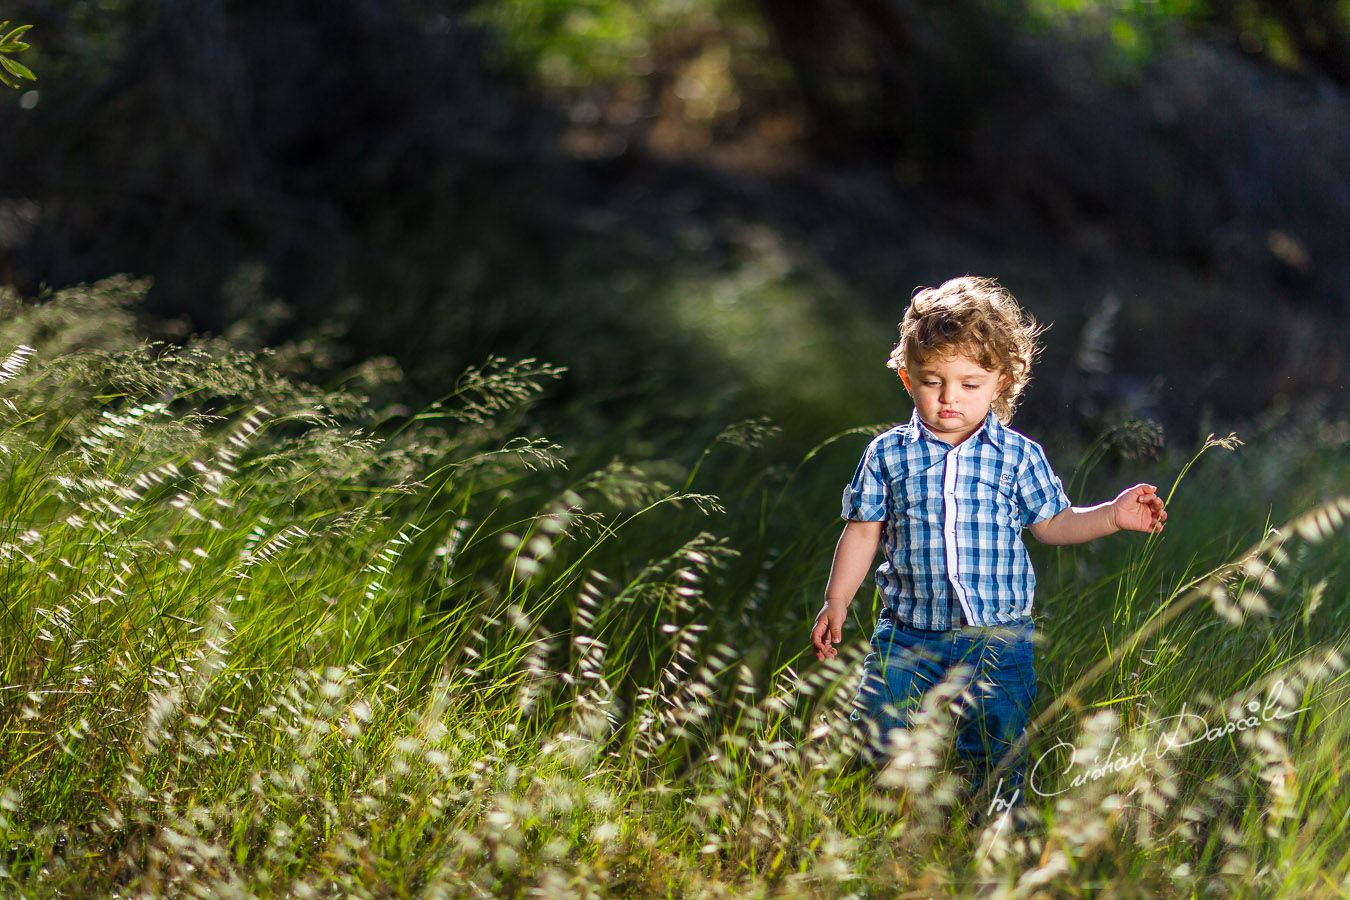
(13, 35)
(17, 68)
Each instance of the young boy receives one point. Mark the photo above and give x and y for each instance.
(947, 494)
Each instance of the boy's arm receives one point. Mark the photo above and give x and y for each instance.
(1137, 508)
(852, 561)
(864, 508)
(853, 557)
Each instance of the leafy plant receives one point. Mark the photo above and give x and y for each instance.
(11, 70)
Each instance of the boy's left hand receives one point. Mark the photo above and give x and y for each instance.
(1139, 508)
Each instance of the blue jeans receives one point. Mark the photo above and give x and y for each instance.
(905, 662)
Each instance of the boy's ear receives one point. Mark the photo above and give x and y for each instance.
(904, 376)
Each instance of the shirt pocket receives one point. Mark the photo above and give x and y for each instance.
(994, 491)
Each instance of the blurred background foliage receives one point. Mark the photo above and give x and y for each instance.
(708, 209)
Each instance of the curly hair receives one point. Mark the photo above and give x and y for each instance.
(976, 316)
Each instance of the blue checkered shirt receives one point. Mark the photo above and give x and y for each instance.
(954, 517)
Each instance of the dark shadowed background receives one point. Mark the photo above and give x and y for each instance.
(709, 209)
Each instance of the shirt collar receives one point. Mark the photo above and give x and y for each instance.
(992, 430)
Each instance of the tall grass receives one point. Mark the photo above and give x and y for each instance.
(263, 639)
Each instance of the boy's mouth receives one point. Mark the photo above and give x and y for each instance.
(949, 414)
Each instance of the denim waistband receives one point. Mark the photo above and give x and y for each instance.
(887, 615)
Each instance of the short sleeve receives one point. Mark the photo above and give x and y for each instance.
(1040, 493)
(865, 496)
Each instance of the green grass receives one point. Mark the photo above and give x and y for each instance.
(262, 637)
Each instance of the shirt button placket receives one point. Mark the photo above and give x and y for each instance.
(949, 478)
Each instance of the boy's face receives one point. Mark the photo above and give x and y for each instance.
(953, 394)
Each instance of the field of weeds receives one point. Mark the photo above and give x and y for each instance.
(262, 639)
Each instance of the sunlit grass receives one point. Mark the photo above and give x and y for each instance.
(251, 647)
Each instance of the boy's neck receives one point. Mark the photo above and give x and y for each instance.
(943, 440)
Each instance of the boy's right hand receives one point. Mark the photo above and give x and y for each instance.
(828, 629)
